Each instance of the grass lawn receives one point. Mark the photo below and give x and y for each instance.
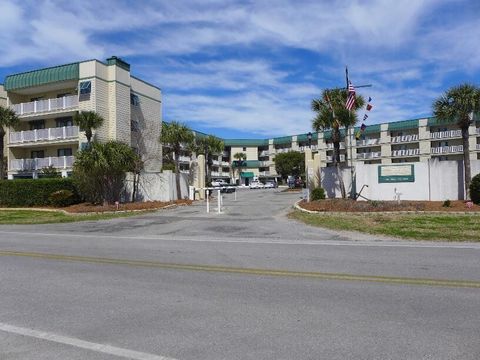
(411, 226)
(45, 217)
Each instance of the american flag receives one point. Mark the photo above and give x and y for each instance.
(351, 97)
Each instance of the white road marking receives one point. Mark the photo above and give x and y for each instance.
(106, 349)
(372, 243)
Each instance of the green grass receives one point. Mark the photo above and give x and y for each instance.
(47, 217)
(446, 227)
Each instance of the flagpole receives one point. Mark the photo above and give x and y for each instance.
(350, 139)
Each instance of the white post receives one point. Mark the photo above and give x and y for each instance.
(235, 194)
(219, 202)
(64, 132)
(191, 192)
(206, 197)
(49, 104)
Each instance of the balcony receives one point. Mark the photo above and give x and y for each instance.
(184, 159)
(330, 158)
(312, 147)
(50, 134)
(448, 134)
(454, 149)
(478, 146)
(368, 142)
(404, 138)
(216, 162)
(265, 173)
(44, 106)
(330, 146)
(264, 163)
(369, 155)
(263, 153)
(61, 162)
(405, 152)
(225, 163)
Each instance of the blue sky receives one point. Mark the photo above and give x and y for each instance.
(251, 68)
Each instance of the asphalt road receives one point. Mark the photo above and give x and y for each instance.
(245, 284)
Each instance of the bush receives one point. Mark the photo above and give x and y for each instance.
(317, 194)
(62, 198)
(33, 192)
(475, 189)
(446, 203)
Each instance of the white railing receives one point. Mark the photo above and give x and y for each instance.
(264, 163)
(369, 155)
(184, 171)
(368, 142)
(225, 163)
(330, 158)
(47, 105)
(215, 173)
(447, 149)
(50, 134)
(215, 162)
(61, 162)
(406, 152)
(264, 173)
(311, 147)
(184, 158)
(330, 146)
(283, 150)
(263, 153)
(405, 138)
(445, 134)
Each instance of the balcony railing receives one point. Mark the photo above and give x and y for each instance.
(47, 105)
(50, 134)
(370, 155)
(405, 152)
(60, 162)
(263, 153)
(330, 158)
(405, 138)
(312, 147)
(445, 134)
(184, 159)
(330, 146)
(453, 149)
(215, 162)
(225, 163)
(368, 142)
(264, 163)
(264, 173)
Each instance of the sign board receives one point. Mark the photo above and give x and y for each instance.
(396, 173)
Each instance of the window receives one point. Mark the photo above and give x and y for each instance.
(134, 99)
(64, 121)
(64, 152)
(37, 124)
(85, 87)
(38, 154)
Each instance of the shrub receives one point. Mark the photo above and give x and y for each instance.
(446, 203)
(50, 172)
(317, 194)
(62, 198)
(33, 192)
(475, 189)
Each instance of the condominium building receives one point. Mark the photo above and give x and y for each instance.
(46, 101)
(416, 140)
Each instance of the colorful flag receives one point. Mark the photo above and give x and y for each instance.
(365, 117)
(369, 99)
(357, 135)
(351, 97)
(369, 107)
(363, 127)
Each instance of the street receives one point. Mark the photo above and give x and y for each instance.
(245, 284)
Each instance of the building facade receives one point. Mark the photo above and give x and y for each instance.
(46, 101)
(414, 140)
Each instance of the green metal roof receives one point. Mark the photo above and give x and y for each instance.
(282, 140)
(433, 121)
(253, 163)
(403, 125)
(303, 137)
(245, 142)
(370, 129)
(248, 174)
(42, 76)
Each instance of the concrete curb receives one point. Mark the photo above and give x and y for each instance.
(370, 213)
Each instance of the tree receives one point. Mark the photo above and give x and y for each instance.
(8, 118)
(176, 136)
(290, 163)
(99, 171)
(88, 121)
(240, 158)
(331, 113)
(459, 104)
(210, 145)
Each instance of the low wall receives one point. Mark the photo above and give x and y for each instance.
(158, 186)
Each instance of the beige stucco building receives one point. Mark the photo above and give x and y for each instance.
(46, 100)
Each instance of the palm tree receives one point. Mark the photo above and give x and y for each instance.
(331, 113)
(175, 136)
(240, 156)
(211, 145)
(88, 121)
(8, 118)
(459, 104)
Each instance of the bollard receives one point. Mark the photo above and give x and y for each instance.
(219, 202)
(208, 203)
(235, 194)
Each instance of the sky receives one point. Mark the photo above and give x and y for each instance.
(250, 69)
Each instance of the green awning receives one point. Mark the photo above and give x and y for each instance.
(245, 142)
(403, 125)
(42, 76)
(248, 174)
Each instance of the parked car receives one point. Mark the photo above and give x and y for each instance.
(270, 185)
(256, 185)
(219, 182)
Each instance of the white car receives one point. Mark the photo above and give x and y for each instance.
(270, 185)
(219, 183)
(256, 185)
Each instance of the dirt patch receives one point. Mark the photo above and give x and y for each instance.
(348, 205)
(148, 205)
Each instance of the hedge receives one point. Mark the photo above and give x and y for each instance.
(33, 192)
